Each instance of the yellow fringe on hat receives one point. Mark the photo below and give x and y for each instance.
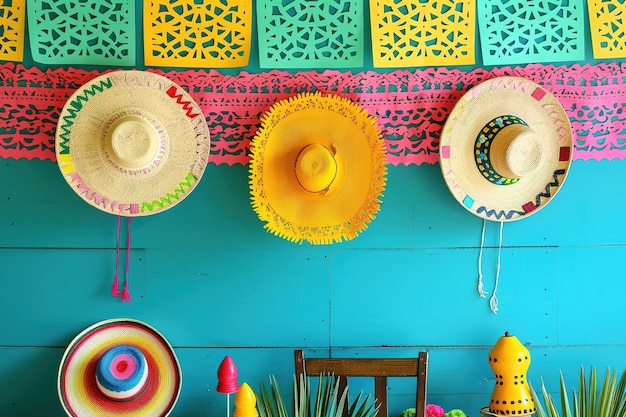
(365, 137)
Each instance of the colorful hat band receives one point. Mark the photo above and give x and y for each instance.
(122, 373)
(484, 145)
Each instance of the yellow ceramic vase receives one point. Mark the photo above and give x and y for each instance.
(509, 360)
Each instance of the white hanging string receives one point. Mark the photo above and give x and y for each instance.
(493, 302)
(481, 291)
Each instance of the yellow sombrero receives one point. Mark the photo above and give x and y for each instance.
(317, 171)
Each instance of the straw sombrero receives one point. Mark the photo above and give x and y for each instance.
(119, 367)
(317, 170)
(506, 149)
(132, 143)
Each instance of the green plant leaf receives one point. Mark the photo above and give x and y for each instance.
(620, 397)
(367, 407)
(565, 408)
(328, 402)
(607, 393)
(591, 400)
(591, 391)
(581, 402)
(541, 412)
(551, 409)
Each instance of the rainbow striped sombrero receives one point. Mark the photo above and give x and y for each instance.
(119, 367)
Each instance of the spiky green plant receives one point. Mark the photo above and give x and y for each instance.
(609, 401)
(329, 402)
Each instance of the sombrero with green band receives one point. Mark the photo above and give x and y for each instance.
(506, 149)
(119, 367)
(132, 143)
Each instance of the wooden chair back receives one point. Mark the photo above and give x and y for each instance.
(378, 368)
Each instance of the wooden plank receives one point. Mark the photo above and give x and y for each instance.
(430, 297)
(242, 297)
(591, 296)
(418, 211)
(188, 295)
(363, 366)
(29, 384)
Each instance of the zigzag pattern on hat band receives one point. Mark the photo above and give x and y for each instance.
(499, 214)
(74, 107)
(170, 198)
(555, 184)
(185, 104)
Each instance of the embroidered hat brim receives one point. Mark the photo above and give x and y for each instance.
(317, 169)
(132, 143)
(77, 384)
(506, 149)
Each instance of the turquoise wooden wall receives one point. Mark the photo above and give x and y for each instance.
(208, 276)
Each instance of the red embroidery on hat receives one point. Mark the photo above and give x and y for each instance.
(528, 207)
(186, 104)
(564, 153)
(538, 94)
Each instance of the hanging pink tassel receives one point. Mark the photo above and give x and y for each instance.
(126, 294)
(115, 290)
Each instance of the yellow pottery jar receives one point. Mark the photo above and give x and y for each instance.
(509, 360)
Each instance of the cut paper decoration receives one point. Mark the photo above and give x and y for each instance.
(188, 33)
(82, 32)
(12, 16)
(520, 31)
(410, 106)
(132, 143)
(408, 33)
(506, 149)
(317, 171)
(305, 34)
(607, 22)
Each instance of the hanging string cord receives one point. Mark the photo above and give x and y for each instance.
(115, 290)
(481, 291)
(125, 292)
(493, 302)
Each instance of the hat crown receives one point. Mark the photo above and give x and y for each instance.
(133, 142)
(316, 168)
(516, 151)
(122, 373)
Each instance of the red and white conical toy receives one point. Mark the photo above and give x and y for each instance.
(227, 380)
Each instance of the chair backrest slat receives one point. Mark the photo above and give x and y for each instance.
(379, 368)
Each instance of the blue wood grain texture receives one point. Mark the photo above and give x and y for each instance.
(215, 283)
